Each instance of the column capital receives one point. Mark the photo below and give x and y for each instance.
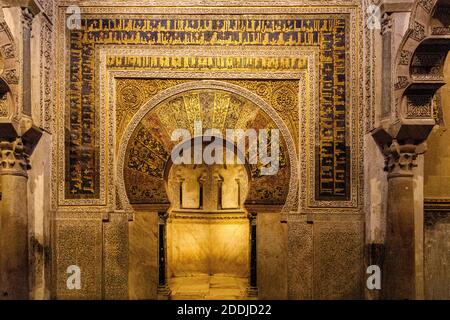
(400, 159)
(13, 158)
(400, 145)
(27, 18)
(17, 142)
(386, 23)
(252, 217)
(163, 215)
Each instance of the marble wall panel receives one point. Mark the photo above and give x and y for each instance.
(143, 256)
(208, 246)
(115, 257)
(338, 259)
(272, 256)
(437, 260)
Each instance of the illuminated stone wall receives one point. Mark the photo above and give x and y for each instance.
(437, 199)
(130, 75)
(208, 246)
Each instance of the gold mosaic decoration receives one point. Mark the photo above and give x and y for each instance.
(282, 95)
(327, 32)
(148, 149)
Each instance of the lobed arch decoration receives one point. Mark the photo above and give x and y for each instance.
(145, 146)
(209, 177)
(419, 65)
(227, 145)
(9, 66)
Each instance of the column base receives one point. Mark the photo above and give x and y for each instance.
(252, 292)
(164, 292)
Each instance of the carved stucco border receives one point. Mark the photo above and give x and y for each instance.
(11, 66)
(176, 4)
(355, 80)
(107, 195)
(311, 71)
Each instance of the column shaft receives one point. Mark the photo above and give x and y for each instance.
(13, 237)
(399, 266)
(163, 287)
(252, 290)
(400, 260)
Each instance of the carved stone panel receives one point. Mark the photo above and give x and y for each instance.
(300, 260)
(115, 255)
(418, 32)
(338, 260)
(79, 243)
(419, 106)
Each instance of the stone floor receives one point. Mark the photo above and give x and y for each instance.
(208, 287)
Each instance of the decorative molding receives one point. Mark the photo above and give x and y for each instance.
(10, 64)
(354, 98)
(208, 84)
(27, 18)
(418, 32)
(47, 7)
(419, 106)
(432, 217)
(11, 76)
(428, 65)
(402, 83)
(47, 106)
(427, 4)
(440, 31)
(210, 216)
(405, 57)
(352, 72)
(187, 4)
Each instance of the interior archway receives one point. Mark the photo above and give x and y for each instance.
(208, 230)
(207, 233)
(149, 144)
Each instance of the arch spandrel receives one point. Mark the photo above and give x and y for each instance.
(147, 143)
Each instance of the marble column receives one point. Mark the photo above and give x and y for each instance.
(399, 281)
(252, 290)
(13, 220)
(163, 288)
(215, 193)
